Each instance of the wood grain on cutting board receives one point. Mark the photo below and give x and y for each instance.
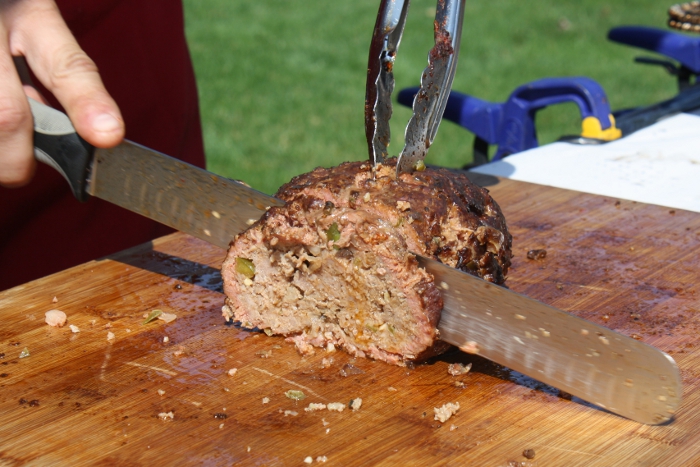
(79, 399)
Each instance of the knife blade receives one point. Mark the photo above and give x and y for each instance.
(606, 368)
(589, 361)
(160, 187)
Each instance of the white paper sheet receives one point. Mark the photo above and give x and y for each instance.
(659, 164)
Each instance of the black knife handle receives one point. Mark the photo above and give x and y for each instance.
(57, 144)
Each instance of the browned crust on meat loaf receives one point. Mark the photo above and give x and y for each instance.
(335, 291)
(450, 218)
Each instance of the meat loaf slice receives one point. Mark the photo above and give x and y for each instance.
(334, 265)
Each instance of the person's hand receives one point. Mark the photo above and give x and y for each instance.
(34, 29)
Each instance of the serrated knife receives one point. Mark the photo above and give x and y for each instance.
(589, 361)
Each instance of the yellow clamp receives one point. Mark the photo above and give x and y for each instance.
(591, 128)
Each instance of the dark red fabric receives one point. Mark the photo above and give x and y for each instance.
(139, 47)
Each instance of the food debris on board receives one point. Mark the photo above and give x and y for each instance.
(355, 404)
(151, 316)
(457, 369)
(167, 317)
(25, 353)
(110, 336)
(232, 371)
(295, 394)
(337, 406)
(55, 318)
(537, 254)
(350, 369)
(165, 416)
(446, 411)
(314, 407)
(74, 329)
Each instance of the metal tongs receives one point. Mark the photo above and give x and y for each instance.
(436, 81)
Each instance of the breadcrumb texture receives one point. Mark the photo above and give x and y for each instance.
(334, 264)
(445, 412)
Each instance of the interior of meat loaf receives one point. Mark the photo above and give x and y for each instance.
(334, 265)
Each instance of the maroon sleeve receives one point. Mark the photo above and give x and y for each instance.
(139, 47)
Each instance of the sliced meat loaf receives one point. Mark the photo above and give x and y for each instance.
(334, 265)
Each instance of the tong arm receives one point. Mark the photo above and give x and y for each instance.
(436, 83)
(380, 77)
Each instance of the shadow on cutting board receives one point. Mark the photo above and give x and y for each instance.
(144, 257)
(493, 369)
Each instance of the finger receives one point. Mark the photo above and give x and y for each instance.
(17, 162)
(65, 69)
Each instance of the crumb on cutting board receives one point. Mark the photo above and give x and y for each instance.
(55, 318)
(355, 404)
(295, 394)
(165, 416)
(167, 317)
(314, 407)
(446, 411)
(457, 369)
(337, 406)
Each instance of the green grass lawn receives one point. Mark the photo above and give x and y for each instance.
(282, 84)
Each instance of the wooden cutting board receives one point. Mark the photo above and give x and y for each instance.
(81, 399)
